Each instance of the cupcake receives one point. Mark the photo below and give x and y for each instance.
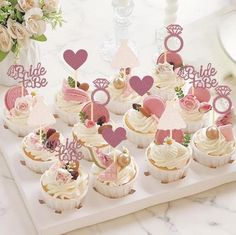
(18, 105)
(38, 149)
(70, 100)
(122, 95)
(194, 112)
(141, 121)
(64, 186)
(214, 146)
(168, 161)
(165, 81)
(89, 132)
(115, 173)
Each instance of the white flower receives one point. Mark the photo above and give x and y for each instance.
(4, 3)
(23, 104)
(34, 23)
(26, 5)
(19, 32)
(5, 40)
(51, 5)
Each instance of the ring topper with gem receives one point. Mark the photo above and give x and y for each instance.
(170, 54)
(204, 79)
(68, 152)
(32, 78)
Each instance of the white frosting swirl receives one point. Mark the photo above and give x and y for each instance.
(194, 115)
(69, 189)
(216, 147)
(167, 80)
(174, 156)
(68, 106)
(124, 176)
(19, 119)
(89, 136)
(141, 123)
(31, 144)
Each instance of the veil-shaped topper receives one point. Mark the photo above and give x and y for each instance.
(125, 57)
(40, 114)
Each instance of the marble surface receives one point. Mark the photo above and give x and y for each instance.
(87, 25)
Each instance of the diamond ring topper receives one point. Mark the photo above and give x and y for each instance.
(222, 104)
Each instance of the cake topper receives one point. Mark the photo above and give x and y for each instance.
(141, 86)
(115, 137)
(125, 57)
(33, 78)
(75, 60)
(170, 55)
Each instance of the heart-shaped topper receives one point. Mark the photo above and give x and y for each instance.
(115, 137)
(141, 86)
(75, 60)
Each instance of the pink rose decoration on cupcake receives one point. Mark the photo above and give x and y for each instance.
(89, 123)
(23, 105)
(189, 103)
(204, 107)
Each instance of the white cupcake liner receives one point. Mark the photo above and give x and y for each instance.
(115, 191)
(167, 176)
(20, 131)
(139, 139)
(164, 94)
(37, 166)
(119, 107)
(210, 161)
(62, 204)
(88, 151)
(67, 117)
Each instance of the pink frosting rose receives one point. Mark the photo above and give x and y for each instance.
(189, 103)
(23, 105)
(89, 123)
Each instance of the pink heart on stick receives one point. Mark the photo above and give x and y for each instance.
(75, 60)
(141, 86)
(114, 138)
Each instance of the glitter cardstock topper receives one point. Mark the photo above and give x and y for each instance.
(32, 78)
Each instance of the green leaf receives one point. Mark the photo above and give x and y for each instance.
(3, 55)
(19, 16)
(13, 2)
(71, 82)
(41, 38)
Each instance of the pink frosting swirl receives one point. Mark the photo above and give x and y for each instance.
(189, 103)
(74, 94)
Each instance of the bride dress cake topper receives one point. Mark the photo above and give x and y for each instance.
(32, 78)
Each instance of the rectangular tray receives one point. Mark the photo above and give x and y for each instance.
(97, 208)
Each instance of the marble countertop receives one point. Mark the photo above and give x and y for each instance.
(87, 25)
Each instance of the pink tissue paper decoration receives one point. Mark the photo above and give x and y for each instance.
(40, 114)
(225, 119)
(171, 118)
(141, 86)
(125, 57)
(227, 132)
(75, 60)
(110, 174)
(115, 137)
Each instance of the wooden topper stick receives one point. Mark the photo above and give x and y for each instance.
(165, 56)
(213, 117)
(92, 118)
(75, 78)
(40, 133)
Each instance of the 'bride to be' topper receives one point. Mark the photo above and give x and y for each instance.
(33, 78)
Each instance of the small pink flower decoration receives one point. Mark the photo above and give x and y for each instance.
(189, 103)
(23, 104)
(204, 107)
(63, 176)
(89, 123)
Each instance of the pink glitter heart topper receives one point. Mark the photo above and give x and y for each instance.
(75, 60)
(32, 78)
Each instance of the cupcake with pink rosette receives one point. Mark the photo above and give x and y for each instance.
(64, 186)
(18, 105)
(37, 149)
(70, 100)
(115, 173)
(194, 110)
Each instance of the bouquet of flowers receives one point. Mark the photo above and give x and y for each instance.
(25, 20)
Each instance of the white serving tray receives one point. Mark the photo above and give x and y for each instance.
(97, 208)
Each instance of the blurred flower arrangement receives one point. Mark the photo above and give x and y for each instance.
(24, 20)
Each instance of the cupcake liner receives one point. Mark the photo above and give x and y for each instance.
(37, 166)
(69, 118)
(139, 139)
(62, 204)
(167, 176)
(210, 161)
(119, 107)
(20, 131)
(115, 191)
(164, 94)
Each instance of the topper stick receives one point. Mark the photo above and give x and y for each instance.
(40, 133)
(171, 133)
(92, 111)
(165, 55)
(76, 74)
(213, 116)
(192, 90)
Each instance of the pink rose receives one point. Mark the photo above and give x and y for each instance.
(89, 123)
(189, 103)
(23, 104)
